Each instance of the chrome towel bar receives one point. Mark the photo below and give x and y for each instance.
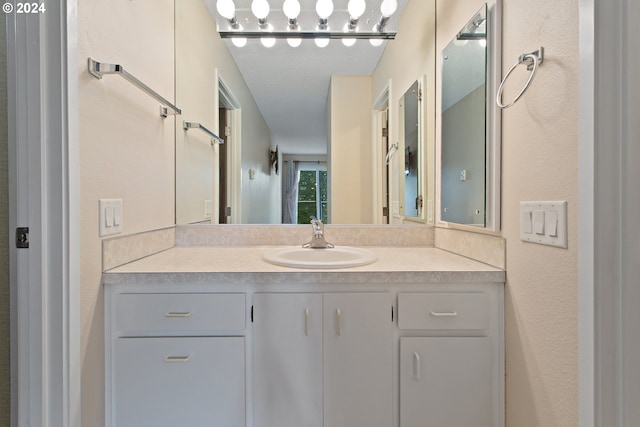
(99, 69)
(195, 125)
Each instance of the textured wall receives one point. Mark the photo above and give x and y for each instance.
(5, 380)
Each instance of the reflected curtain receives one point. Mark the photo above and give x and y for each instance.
(290, 192)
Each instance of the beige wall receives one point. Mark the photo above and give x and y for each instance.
(126, 150)
(349, 150)
(539, 162)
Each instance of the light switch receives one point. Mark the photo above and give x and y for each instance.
(527, 226)
(538, 221)
(110, 216)
(551, 221)
(544, 223)
(117, 215)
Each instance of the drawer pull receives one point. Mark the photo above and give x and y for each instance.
(339, 319)
(443, 314)
(178, 314)
(416, 365)
(306, 321)
(177, 359)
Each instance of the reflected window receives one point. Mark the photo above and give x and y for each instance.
(312, 193)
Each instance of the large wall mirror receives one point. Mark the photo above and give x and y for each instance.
(237, 182)
(470, 146)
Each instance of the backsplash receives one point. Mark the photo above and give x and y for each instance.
(481, 247)
(120, 250)
(123, 249)
(291, 235)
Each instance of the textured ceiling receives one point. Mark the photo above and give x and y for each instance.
(291, 85)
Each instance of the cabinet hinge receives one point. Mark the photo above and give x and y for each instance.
(22, 237)
(251, 314)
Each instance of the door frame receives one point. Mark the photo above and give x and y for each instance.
(380, 112)
(227, 100)
(42, 86)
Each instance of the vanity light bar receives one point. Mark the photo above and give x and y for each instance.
(306, 35)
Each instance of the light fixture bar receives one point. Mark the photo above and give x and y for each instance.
(307, 35)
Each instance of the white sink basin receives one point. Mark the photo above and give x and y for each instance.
(337, 257)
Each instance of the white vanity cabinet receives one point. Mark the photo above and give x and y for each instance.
(322, 360)
(451, 367)
(285, 351)
(175, 359)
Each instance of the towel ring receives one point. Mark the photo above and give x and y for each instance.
(532, 61)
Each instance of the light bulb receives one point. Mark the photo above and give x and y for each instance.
(294, 42)
(260, 8)
(356, 8)
(376, 42)
(291, 8)
(388, 7)
(239, 41)
(324, 8)
(322, 42)
(226, 8)
(348, 42)
(268, 41)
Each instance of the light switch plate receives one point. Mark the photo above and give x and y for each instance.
(110, 216)
(553, 229)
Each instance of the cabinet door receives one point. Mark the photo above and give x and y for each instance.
(358, 360)
(446, 382)
(287, 358)
(187, 382)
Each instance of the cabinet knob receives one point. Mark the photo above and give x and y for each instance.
(443, 314)
(177, 359)
(178, 314)
(416, 365)
(306, 321)
(339, 319)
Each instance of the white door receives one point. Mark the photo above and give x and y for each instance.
(287, 357)
(186, 382)
(446, 382)
(358, 360)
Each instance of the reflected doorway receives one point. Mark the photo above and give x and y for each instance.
(223, 203)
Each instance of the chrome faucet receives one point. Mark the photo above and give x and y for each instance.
(317, 238)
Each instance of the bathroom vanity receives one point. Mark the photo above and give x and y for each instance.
(216, 336)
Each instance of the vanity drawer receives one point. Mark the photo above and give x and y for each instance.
(468, 310)
(180, 312)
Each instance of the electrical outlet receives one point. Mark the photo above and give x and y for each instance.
(110, 216)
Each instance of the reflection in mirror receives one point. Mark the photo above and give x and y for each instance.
(350, 188)
(410, 137)
(468, 140)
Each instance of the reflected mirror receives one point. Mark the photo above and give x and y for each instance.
(256, 99)
(468, 141)
(410, 143)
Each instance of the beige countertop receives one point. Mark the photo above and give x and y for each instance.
(245, 264)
